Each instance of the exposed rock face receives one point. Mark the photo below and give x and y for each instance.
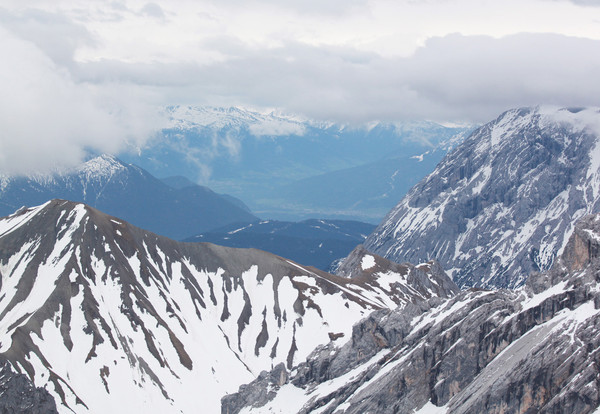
(536, 349)
(423, 281)
(503, 203)
(19, 395)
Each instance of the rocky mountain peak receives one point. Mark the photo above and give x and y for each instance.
(503, 203)
(429, 279)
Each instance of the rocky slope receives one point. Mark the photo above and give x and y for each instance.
(535, 349)
(108, 317)
(130, 192)
(19, 395)
(503, 203)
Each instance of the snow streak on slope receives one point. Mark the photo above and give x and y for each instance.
(531, 350)
(109, 317)
(502, 204)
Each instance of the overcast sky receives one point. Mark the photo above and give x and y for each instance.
(89, 74)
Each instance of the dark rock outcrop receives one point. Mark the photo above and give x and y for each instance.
(18, 394)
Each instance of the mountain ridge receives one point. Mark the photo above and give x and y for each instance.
(107, 316)
(503, 203)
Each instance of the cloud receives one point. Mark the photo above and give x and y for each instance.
(276, 127)
(50, 120)
(153, 10)
(594, 3)
(54, 34)
(453, 77)
(69, 86)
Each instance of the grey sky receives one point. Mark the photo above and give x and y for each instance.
(91, 74)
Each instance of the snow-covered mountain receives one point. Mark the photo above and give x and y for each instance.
(111, 318)
(503, 203)
(263, 159)
(129, 192)
(532, 350)
(271, 124)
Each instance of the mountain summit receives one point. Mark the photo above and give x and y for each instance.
(109, 317)
(503, 203)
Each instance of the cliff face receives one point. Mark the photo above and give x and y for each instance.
(503, 203)
(536, 349)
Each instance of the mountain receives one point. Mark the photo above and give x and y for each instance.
(503, 203)
(255, 156)
(108, 317)
(535, 349)
(311, 242)
(130, 192)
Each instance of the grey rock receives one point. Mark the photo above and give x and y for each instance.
(536, 349)
(258, 392)
(429, 279)
(503, 203)
(18, 394)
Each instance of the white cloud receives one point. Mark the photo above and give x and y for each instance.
(49, 120)
(88, 75)
(276, 127)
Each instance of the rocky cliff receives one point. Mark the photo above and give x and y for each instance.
(503, 203)
(536, 349)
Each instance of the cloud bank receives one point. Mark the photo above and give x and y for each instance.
(91, 76)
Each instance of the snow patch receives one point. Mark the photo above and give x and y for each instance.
(367, 262)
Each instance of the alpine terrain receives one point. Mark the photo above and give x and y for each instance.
(535, 349)
(129, 192)
(107, 317)
(504, 202)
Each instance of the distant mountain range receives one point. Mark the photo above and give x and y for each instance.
(129, 192)
(312, 242)
(504, 202)
(264, 159)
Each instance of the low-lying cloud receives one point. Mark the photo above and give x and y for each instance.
(49, 120)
